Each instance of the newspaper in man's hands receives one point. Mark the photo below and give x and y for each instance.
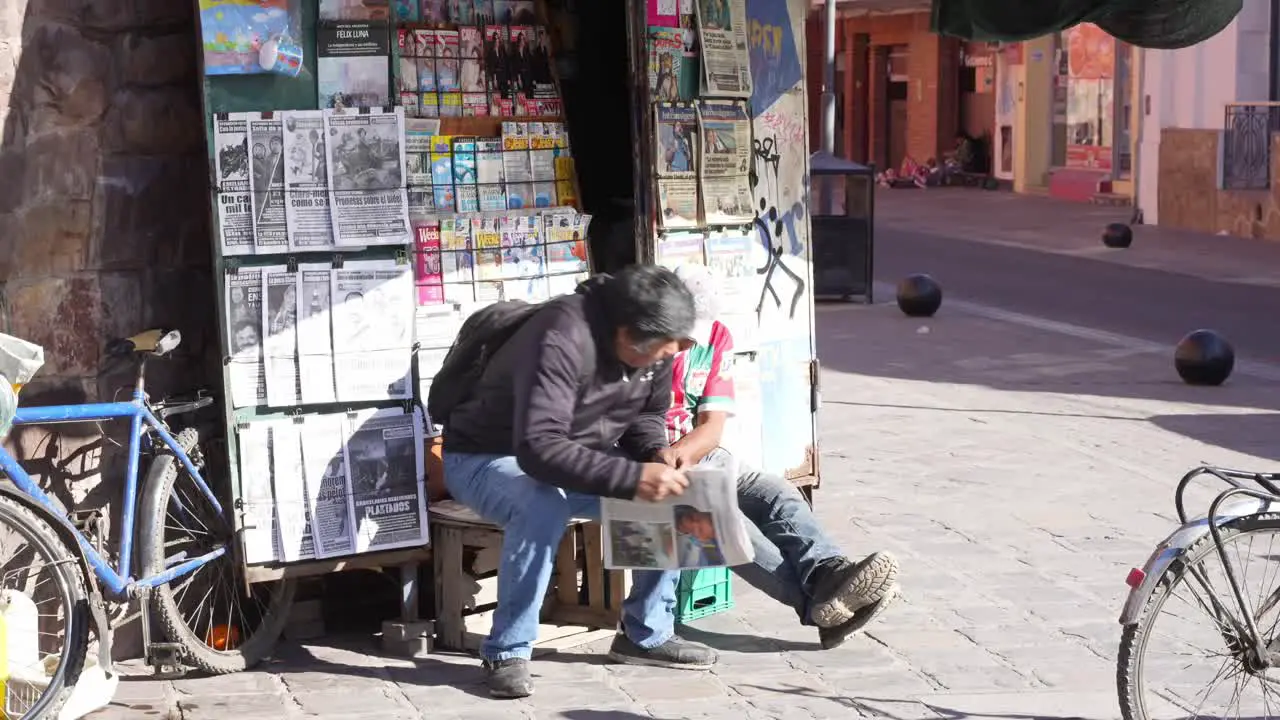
(700, 529)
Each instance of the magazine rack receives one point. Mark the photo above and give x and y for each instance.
(272, 92)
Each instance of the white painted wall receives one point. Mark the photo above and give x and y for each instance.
(1190, 88)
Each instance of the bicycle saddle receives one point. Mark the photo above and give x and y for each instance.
(156, 342)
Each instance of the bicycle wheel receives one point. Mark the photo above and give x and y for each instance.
(1190, 648)
(222, 626)
(44, 613)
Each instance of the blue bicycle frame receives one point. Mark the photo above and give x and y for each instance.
(118, 581)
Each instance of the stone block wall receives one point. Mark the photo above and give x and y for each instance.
(1189, 195)
(103, 212)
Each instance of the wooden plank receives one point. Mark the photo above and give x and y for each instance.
(450, 626)
(585, 616)
(393, 558)
(593, 573)
(619, 584)
(551, 636)
(566, 571)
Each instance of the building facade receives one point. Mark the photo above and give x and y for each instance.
(1207, 152)
(1055, 115)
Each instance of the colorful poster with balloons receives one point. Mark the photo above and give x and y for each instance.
(234, 31)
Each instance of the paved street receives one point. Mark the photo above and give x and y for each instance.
(1018, 453)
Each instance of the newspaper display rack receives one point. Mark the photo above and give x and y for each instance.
(353, 233)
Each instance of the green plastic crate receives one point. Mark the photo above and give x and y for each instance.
(702, 593)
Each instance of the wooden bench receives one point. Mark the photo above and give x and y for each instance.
(583, 600)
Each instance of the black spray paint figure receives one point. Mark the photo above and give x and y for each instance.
(771, 227)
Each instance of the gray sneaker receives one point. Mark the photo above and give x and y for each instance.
(508, 678)
(676, 653)
(843, 588)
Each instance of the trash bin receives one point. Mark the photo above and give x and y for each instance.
(842, 214)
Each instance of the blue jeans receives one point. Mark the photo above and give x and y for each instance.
(789, 542)
(533, 516)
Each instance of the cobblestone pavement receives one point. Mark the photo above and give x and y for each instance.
(1017, 468)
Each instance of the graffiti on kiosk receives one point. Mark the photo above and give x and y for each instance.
(776, 227)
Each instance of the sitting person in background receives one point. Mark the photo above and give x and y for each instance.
(962, 156)
(796, 563)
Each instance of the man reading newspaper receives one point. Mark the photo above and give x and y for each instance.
(796, 563)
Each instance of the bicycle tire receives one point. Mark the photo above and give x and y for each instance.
(161, 476)
(71, 585)
(1133, 640)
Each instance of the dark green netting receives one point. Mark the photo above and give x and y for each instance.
(1166, 24)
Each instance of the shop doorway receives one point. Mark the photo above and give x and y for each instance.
(595, 81)
(978, 100)
(896, 106)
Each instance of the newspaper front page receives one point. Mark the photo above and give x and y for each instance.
(293, 512)
(260, 538)
(700, 529)
(235, 199)
(266, 180)
(366, 165)
(676, 125)
(280, 327)
(325, 471)
(306, 181)
(726, 162)
(734, 257)
(373, 313)
(315, 334)
(722, 27)
(244, 335)
(386, 467)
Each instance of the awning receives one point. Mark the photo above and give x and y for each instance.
(1166, 24)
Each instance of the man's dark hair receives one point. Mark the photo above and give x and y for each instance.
(652, 302)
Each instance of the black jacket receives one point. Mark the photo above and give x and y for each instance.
(557, 397)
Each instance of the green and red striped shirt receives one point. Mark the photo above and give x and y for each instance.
(702, 381)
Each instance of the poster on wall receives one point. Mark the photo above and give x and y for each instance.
(232, 32)
(722, 28)
(1091, 58)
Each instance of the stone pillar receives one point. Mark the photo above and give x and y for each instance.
(103, 211)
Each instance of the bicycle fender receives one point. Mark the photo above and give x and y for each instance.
(70, 538)
(1174, 546)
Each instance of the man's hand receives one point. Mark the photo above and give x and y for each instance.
(658, 482)
(678, 457)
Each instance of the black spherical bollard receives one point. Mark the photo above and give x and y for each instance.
(1204, 358)
(1117, 235)
(919, 295)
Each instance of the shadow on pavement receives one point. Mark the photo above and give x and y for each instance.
(1079, 376)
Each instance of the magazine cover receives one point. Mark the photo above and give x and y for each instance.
(366, 164)
(725, 162)
(266, 180)
(353, 64)
(666, 60)
(232, 168)
(355, 10)
(676, 126)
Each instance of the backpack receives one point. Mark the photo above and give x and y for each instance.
(479, 338)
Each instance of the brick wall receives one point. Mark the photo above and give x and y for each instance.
(932, 103)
